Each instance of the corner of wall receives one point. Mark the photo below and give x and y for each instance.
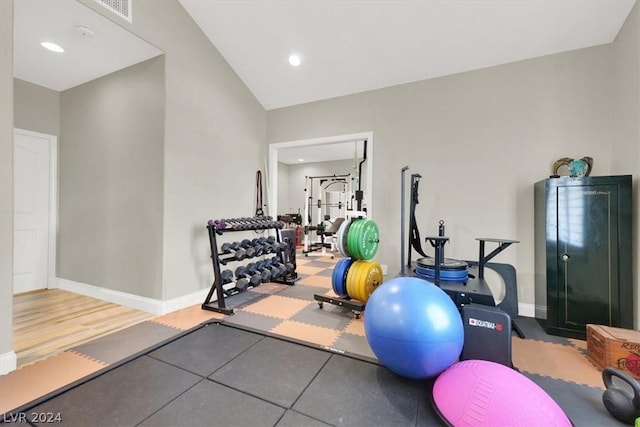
(8, 362)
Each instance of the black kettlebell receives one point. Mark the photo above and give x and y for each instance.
(619, 402)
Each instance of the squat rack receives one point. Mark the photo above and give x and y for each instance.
(326, 181)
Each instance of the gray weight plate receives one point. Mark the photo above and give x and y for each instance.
(341, 238)
(448, 264)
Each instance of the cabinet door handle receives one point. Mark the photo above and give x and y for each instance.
(565, 257)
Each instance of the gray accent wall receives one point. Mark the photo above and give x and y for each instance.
(111, 181)
(479, 139)
(6, 177)
(36, 108)
(214, 142)
(625, 157)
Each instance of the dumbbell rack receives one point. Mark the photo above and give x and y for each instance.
(219, 305)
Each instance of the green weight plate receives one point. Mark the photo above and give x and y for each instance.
(349, 237)
(368, 239)
(352, 239)
(341, 238)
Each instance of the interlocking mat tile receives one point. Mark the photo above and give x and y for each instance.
(41, 378)
(555, 361)
(277, 306)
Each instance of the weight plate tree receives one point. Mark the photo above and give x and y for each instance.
(355, 277)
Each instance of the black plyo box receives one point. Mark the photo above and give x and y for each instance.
(487, 334)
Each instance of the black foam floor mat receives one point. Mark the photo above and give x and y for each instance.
(220, 375)
(223, 375)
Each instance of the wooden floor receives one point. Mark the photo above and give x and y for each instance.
(50, 321)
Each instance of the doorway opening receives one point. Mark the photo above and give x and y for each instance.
(320, 150)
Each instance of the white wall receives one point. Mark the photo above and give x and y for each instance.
(110, 181)
(625, 157)
(36, 108)
(7, 356)
(214, 142)
(480, 140)
(283, 190)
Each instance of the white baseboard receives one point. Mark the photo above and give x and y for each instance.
(138, 302)
(159, 307)
(8, 362)
(188, 300)
(526, 310)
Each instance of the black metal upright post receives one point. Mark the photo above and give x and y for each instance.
(403, 268)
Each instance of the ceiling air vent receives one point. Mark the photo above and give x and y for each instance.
(121, 8)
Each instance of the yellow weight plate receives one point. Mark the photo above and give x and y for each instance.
(357, 291)
(351, 273)
(371, 277)
(364, 294)
(363, 281)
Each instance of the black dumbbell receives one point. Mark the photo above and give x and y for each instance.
(243, 272)
(269, 266)
(275, 272)
(259, 270)
(282, 270)
(228, 247)
(226, 276)
(259, 241)
(266, 248)
(259, 250)
(250, 252)
(276, 247)
(240, 254)
(265, 273)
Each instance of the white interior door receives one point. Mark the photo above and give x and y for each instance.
(32, 188)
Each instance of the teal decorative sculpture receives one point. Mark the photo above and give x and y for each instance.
(577, 167)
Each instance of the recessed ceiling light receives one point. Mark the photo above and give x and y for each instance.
(301, 160)
(294, 60)
(52, 47)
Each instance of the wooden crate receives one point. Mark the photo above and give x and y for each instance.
(614, 347)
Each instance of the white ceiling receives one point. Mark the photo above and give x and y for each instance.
(85, 58)
(354, 46)
(347, 46)
(321, 153)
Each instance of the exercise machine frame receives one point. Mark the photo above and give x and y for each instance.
(475, 290)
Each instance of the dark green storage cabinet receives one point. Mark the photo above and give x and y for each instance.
(583, 253)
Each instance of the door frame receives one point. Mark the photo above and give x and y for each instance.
(272, 195)
(52, 231)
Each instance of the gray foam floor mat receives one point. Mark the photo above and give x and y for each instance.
(224, 375)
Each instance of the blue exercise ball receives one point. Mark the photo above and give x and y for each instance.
(413, 327)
